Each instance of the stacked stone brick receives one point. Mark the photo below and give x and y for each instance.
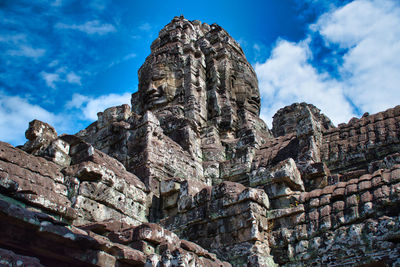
(360, 143)
(229, 219)
(339, 220)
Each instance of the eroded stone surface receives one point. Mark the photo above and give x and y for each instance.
(95, 188)
(10, 259)
(225, 219)
(32, 233)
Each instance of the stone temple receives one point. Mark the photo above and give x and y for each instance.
(189, 175)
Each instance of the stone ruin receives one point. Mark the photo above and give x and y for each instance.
(191, 176)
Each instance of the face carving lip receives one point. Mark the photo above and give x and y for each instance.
(155, 95)
(255, 98)
(254, 102)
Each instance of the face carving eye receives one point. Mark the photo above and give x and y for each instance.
(157, 77)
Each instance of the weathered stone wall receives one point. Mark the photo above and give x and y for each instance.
(362, 143)
(141, 146)
(49, 242)
(331, 211)
(95, 187)
(81, 209)
(34, 181)
(228, 219)
(348, 223)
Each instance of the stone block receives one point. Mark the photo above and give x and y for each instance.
(325, 211)
(314, 202)
(316, 193)
(256, 195)
(187, 192)
(9, 258)
(366, 197)
(170, 201)
(227, 190)
(377, 181)
(313, 215)
(338, 193)
(338, 206)
(278, 213)
(39, 135)
(351, 189)
(203, 196)
(276, 190)
(251, 233)
(170, 186)
(327, 190)
(126, 255)
(364, 185)
(352, 200)
(287, 171)
(395, 175)
(326, 199)
(192, 247)
(154, 233)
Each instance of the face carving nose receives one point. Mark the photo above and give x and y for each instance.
(161, 88)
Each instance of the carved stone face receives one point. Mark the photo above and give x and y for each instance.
(253, 99)
(158, 86)
(246, 91)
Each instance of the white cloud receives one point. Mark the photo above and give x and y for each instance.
(370, 30)
(145, 27)
(91, 106)
(15, 115)
(77, 101)
(50, 78)
(287, 77)
(53, 63)
(90, 27)
(72, 77)
(129, 56)
(16, 112)
(98, 5)
(13, 38)
(60, 76)
(57, 3)
(27, 51)
(123, 59)
(369, 74)
(243, 43)
(18, 45)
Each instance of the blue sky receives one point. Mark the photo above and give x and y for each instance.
(63, 61)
